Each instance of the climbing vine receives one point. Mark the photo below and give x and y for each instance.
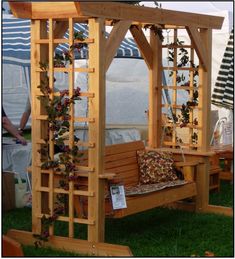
(184, 118)
(57, 109)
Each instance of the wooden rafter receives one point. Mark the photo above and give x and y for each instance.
(142, 44)
(107, 10)
(198, 45)
(116, 36)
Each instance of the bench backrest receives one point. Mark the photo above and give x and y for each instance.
(121, 159)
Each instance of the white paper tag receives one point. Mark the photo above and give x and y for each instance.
(118, 197)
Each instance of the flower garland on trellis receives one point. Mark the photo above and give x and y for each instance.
(57, 109)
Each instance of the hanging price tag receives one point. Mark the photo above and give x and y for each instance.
(118, 197)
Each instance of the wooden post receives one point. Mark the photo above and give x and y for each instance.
(96, 129)
(155, 92)
(202, 181)
(205, 92)
(51, 134)
(38, 53)
(205, 118)
(71, 130)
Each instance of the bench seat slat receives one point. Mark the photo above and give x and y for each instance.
(140, 203)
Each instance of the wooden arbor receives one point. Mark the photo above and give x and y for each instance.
(50, 20)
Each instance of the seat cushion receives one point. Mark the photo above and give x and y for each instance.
(148, 188)
(155, 167)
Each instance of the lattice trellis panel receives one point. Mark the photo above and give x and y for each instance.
(182, 125)
(59, 180)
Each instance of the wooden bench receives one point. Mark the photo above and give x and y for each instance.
(121, 167)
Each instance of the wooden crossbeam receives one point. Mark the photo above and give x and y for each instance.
(73, 245)
(219, 210)
(116, 11)
(198, 45)
(113, 42)
(142, 44)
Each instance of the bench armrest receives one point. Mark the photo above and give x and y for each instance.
(183, 164)
(188, 169)
(107, 176)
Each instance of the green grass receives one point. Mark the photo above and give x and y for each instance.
(158, 232)
(224, 196)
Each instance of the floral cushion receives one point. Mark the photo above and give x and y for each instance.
(155, 167)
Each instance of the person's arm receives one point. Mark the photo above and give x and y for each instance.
(25, 116)
(7, 125)
(23, 120)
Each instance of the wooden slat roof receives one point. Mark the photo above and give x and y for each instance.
(115, 11)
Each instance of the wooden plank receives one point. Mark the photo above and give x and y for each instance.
(119, 163)
(142, 44)
(186, 152)
(114, 40)
(73, 245)
(96, 131)
(189, 163)
(21, 9)
(116, 157)
(227, 211)
(198, 45)
(191, 92)
(115, 11)
(71, 129)
(68, 69)
(36, 32)
(124, 147)
(174, 78)
(11, 248)
(147, 14)
(76, 119)
(107, 176)
(202, 181)
(51, 133)
(155, 93)
(176, 68)
(144, 202)
(204, 115)
(120, 169)
(181, 87)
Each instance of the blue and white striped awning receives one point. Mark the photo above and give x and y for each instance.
(16, 43)
(223, 91)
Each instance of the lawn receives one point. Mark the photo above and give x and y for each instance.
(157, 232)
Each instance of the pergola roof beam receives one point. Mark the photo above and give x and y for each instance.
(110, 10)
(114, 40)
(198, 45)
(143, 45)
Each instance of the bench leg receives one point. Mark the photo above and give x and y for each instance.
(202, 181)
